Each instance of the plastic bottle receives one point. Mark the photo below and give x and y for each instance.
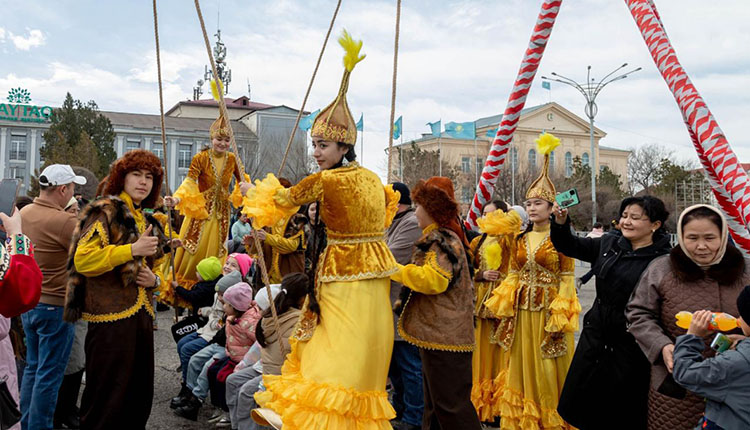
(721, 321)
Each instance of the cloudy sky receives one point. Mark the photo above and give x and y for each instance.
(458, 59)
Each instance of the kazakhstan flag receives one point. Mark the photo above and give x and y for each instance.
(461, 130)
(306, 123)
(435, 127)
(397, 128)
(361, 122)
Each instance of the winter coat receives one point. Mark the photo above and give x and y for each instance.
(8, 362)
(608, 378)
(722, 380)
(215, 315)
(400, 238)
(673, 283)
(201, 295)
(241, 334)
(272, 356)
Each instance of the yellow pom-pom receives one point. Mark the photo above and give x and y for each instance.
(498, 223)
(217, 90)
(259, 203)
(493, 253)
(547, 142)
(352, 48)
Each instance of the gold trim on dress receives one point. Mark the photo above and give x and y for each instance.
(142, 302)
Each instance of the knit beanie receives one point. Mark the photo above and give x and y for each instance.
(239, 296)
(261, 297)
(227, 281)
(405, 198)
(244, 261)
(743, 304)
(209, 268)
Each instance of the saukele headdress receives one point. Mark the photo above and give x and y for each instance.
(542, 187)
(220, 127)
(335, 123)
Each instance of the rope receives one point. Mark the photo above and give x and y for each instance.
(163, 138)
(393, 90)
(309, 87)
(222, 102)
(223, 107)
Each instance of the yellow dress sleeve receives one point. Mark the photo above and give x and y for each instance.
(285, 245)
(236, 197)
(391, 204)
(502, 302)
(95, 256)
(429, 278)
(192, 203)
(565, 308)
(268, 202)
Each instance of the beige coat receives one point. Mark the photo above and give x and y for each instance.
(272, 356)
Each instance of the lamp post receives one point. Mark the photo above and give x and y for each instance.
(590, 89)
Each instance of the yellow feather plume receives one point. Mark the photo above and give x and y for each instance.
(352, 48)
(547, 142)
(498, 223)
(217, 90)
(493, 254)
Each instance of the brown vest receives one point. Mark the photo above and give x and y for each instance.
(441, 321)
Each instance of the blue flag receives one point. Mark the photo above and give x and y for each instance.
(397, 128)
(546, 85)
(361, 123)
(491, 132)
(461, 130)
(306, 123)
(435, 127)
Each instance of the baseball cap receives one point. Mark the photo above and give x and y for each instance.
(59, 174)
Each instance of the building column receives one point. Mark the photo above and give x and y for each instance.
(31, 163)
(147, 143)
(3, 148)
(120, 144)
(173, 162)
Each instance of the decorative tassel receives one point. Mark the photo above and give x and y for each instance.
(352, 48)
(546, 143)
(494, 255)
(217, 90)
(497, 223)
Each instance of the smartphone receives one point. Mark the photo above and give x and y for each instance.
(568, 198)
(721, 343)
(8, 194)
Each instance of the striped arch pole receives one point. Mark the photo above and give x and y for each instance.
(516, 101)
(728, 180)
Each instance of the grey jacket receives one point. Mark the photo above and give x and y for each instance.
(402, 234)
(723, 380)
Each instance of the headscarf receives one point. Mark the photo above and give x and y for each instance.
(724, 235)
(524, 216)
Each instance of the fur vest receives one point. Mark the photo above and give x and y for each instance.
(442, 321)
(113, 295)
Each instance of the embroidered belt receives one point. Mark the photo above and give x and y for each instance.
(345, 239)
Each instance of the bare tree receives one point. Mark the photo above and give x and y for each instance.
(643, 166)
(265, 156)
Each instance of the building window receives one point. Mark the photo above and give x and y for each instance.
(585, 159)
(466, 164)
(132, 143)
(480, 164)
(532, 158)
(568, 164)
(466, 194)
(182, 178)
(186, 154)
(17, 148)
(158, 150)
(18, 172)
(514, 159)
(552, 162)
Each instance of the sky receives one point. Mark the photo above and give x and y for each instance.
(457, 60)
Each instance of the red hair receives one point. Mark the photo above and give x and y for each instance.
(436, 196)
(138, 159)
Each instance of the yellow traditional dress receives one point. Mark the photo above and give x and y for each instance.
(489, 361)
(538, 310)
(205, 203)
(335, 375)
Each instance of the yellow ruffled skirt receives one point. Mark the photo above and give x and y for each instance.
(336, 380)
(185, 263)
(533, 384)
(488, 361)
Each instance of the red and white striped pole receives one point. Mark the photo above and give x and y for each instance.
(516, 101)
(729, 181)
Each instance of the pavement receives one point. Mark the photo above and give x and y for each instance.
(167, 378)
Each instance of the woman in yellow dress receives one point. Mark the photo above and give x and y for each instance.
(203, 198)
(539, 303)
(491, 252)
(335, 376)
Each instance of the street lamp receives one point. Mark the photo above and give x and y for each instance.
(590, 89)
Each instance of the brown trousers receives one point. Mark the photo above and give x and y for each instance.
(119, 374)
(447, 391)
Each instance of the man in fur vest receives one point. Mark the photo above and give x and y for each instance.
(116, 248)
(438, 316)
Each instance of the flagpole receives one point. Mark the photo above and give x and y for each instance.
(401, 157)
(362, 146)
(476, 171)
(512, 174)
(440, 157)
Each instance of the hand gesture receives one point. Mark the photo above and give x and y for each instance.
(245, 187)
(667, 353)
(261, 234)
(145, 278)
(12, 224)
(146, 245)
(699, 325)
(171, 202)
(561, 215)
(175, 243)
(491, 275)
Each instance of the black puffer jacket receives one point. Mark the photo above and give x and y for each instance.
(608, 379)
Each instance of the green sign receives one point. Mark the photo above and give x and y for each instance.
(19, 108)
